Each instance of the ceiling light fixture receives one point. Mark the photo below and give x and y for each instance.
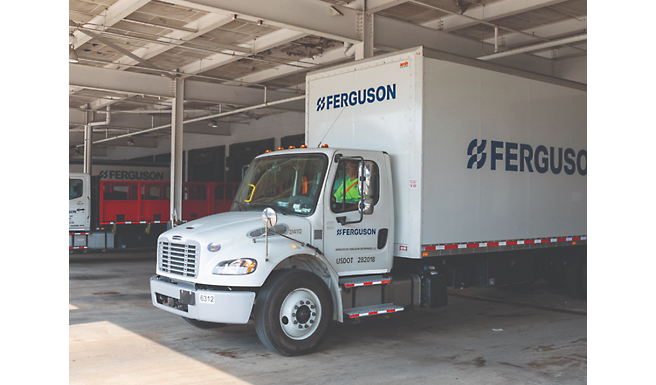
(213, 123)
(130, 142)
(72, 55)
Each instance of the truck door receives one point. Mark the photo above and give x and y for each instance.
(362, 247)
(79, 190)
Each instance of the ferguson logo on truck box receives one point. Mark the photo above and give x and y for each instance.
(356, 232)
(522, 157)
(131, 175)
(353, 98)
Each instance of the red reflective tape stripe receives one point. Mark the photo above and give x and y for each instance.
(368, 283)
(391, 311)
(351, 186)
(354, 315)
(388, 281)
(373, 312)
(349, 285)
(504, 243)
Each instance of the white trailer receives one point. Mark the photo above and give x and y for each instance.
(422, 170)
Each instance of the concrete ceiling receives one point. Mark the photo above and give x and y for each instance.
(237, 48)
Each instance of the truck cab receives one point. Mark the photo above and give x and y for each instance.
(332, 224)
(79, 200)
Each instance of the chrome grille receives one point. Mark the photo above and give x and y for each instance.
(178, 258)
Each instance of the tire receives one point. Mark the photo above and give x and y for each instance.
(203, 324)
(278, 312)
(576, 277)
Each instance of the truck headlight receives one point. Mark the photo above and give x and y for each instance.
(239, 266)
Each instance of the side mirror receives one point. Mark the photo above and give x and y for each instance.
(269, 217)
(366, 182)
(366, 206)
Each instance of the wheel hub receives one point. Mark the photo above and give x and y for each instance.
(299, 314)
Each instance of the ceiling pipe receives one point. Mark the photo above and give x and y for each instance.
(496, 38)
(207, 117)
(108, 119)
(535, 47)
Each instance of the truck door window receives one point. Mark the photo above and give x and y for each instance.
(345, 194)
(75, 188)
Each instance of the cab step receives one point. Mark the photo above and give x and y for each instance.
(364, 311)
(369, 280)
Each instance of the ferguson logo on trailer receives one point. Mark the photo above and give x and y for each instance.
(353, 98)
(131, 175)
(522, 157)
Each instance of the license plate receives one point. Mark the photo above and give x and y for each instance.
(206, 298)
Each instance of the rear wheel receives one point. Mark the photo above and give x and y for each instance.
(293, 312)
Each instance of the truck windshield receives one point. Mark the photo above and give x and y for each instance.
(288, 183)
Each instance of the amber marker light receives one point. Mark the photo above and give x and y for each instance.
(324, 146)
(280, 148)
(303, 146)
(267, 151)
(291, 147)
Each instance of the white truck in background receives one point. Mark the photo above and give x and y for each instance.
(467, 175)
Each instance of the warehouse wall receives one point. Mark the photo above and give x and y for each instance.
(274, 126)
(575, 69)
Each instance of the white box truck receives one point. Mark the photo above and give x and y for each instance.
(422, 171)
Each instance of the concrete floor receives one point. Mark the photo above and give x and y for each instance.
(484, 336)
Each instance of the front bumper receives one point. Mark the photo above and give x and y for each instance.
(233, 307)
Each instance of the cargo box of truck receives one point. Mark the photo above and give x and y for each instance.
(480, 158)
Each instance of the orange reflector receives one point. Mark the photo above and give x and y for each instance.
(290, 147)
(303, 146)
(280, 148)
(324, 146)
(573, 243)
(424, 254)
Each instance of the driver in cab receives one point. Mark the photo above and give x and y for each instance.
(351, 185)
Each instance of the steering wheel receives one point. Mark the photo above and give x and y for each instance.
(300, 200)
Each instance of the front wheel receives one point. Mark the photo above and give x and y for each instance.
(293, 312)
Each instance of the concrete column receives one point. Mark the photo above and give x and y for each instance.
(88, 139)
(176, 151)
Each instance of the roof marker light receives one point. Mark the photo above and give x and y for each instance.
(324, 146)
(280, 149)
(267, 151)
(291, 147)
(303, 146)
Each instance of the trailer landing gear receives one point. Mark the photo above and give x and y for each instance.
(576, 276)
